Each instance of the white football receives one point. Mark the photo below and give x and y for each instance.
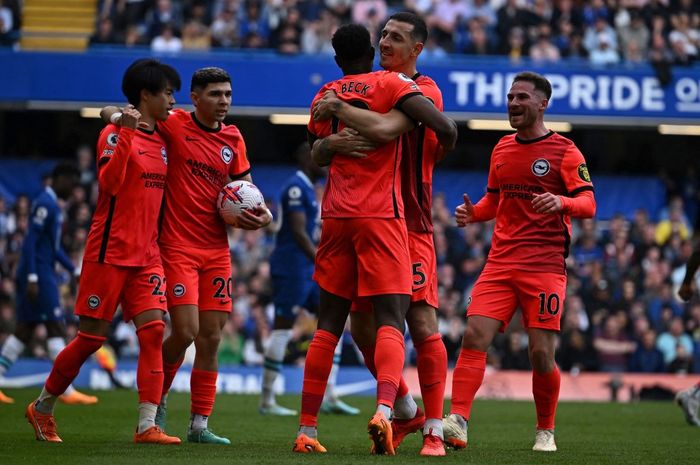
(237, 196)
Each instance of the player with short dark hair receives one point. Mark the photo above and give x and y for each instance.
(38, 301)
(205, 154)
(364, 233)
(122, 261)
(400, 45)
(537, 181)
(291, 269)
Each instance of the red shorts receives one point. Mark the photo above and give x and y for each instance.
(360, 257)
(103, 287)
(424, 268)
(499, 292)
(200, 277)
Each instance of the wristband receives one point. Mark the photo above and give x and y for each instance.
(115, 117)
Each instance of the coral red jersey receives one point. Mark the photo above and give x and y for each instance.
(421, 152)
(371, 187)
(131, 173)
(201, 161)
(524, 239)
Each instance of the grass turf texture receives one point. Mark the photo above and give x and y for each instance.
(502, 432)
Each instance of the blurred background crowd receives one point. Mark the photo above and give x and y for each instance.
(621, 311)
(600, 32)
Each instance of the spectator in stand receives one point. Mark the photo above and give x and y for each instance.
(613, 345)
(634, 38)
(165, 13)
(7, 25)
(444, 19)
(684, 39)
(362, 9)
(286, 37)
(478, 43)
(224, 29)
(604, 52)
(515, 356)
(167, 41)
(675, 223)
(669, 341)
(196, 36)
(104, 35)
(576, 353)
(647, 358)
(253, 25)
(543, 50)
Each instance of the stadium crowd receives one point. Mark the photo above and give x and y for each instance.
(602, 32)
(621, 311)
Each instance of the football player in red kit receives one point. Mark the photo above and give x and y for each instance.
(537, 181)
(122, 261)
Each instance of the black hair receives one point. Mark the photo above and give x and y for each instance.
(65, 170)
(420, 29)
(540, 82)
(150, 75)
(205, 76)
(352, 43)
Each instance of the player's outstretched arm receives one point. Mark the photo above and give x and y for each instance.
(686, 290)
(253, 220)
(484, 210)
(421, 109)
(378, 127)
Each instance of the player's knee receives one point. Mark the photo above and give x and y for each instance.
(208, 343)
(542, 360)
(184, 335)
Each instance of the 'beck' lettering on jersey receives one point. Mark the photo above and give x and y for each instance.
(524, 239)
(370, 188)
(200, 161)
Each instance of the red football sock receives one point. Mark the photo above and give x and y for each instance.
(203, 391)
(368, 354)
(432, 373)
(389, 357)
(545, 388)
(319, 361)
(169, 372)
(466, 380)
(149, 373)
(67, 365)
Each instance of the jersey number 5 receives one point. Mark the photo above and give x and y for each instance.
(418, 275)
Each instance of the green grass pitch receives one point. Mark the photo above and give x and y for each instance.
(501, 432)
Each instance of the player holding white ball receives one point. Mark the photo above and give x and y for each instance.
(204, 154)
(237, 197)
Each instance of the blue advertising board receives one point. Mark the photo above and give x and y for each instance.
(266, 82)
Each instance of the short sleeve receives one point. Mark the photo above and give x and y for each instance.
(574, 172)
(493, 186)
(107, 144)
(398, 88)
(240, 166)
